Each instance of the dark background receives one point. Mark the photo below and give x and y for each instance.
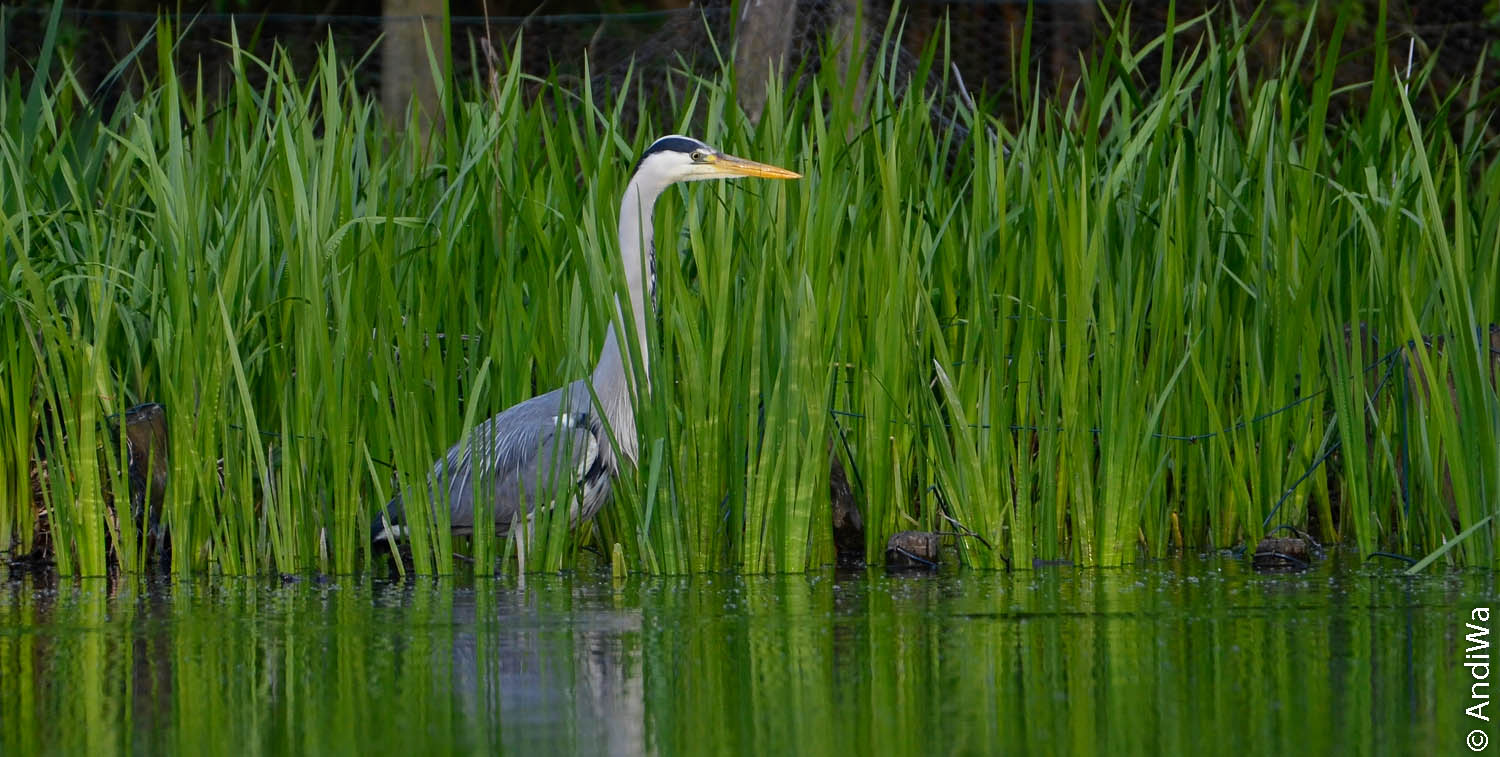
(657, 36)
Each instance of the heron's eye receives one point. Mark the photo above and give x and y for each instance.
(699, 156)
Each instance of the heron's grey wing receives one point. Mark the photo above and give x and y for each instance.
(523, 455)
(570, 465)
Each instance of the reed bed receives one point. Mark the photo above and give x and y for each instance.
(1142, 321)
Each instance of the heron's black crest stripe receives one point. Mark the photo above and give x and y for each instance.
(671, 144)
(651, 265)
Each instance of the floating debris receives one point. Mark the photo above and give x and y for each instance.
(1296, 552)
(913, 549)
(1037, 562)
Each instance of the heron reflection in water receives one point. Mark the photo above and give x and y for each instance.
(557, 441)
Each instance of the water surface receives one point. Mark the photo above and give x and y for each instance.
(1198, 656)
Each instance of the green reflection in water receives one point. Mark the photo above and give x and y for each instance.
(1190, 658)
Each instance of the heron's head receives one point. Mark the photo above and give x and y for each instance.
(677, 158)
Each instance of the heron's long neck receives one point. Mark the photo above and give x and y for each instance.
(613, 377)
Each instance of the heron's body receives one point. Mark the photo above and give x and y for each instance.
(555, 446)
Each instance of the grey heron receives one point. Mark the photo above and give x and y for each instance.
(556, 442)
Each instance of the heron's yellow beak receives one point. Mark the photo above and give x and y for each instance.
(728, 165)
